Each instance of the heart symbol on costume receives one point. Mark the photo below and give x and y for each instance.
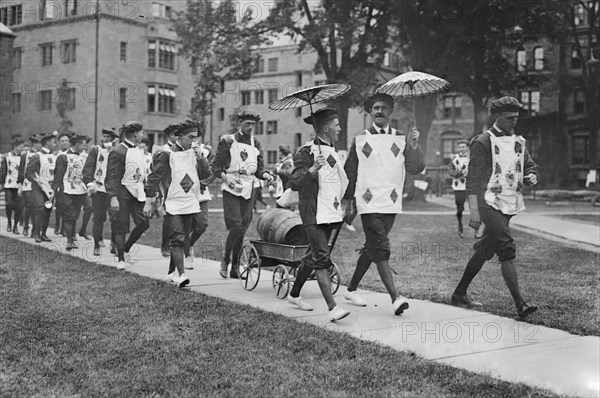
(244, 155)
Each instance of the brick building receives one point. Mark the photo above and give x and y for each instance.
(7, 37)
(138, 73)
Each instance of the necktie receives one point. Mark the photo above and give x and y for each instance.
(382, 131)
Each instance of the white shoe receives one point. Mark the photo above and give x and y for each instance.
(350, 227)
(183, 280)
(121, 265)
(300, 303)
(400, 305)
(172, 277)
(189, 262)
(338, 313)
(355, 298)
(129, 259)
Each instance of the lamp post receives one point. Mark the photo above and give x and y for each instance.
(96, 73)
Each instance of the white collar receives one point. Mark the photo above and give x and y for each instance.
(129, 142)
(385, 128)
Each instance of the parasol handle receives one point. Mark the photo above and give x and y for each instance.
(314, 125)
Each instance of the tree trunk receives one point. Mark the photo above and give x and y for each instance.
(342, 105)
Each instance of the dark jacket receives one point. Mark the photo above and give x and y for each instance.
(89, 168)
(480, 165)
(33, 167)
(306, 183)
(222, 159)
(22, 166)
(115, 169)
(161, 171)
(414, 162)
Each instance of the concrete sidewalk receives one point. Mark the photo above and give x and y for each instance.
(583, 235)
(477, 341)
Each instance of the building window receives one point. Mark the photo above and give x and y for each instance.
(17, 51)
(575, 60)
(521, 60)
(70, 94)
(165, 97)
(123, 51)
(45, 100)
(452, 107)
(4, 15)
(259, 65)
(246, 99)
(11, 15)
(161, 11)
(122, 97)
(259, 96)
(299, 79)
(538, 57)
(68, 51)
(46, 51)
(221, 114)
(71, 7)
(260, 128)
(531, 100)
(449, 140)
(580, 144)
(578, 102)
(164, 51)
(272, 157)
(298, 112)
(271, 127)
(16, 103)
(222, 86)
(579, 14)
(298, 140)
(273, 62)
(151, 99)
(272, 95)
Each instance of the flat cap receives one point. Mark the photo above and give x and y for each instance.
(248, 114)
(16, 141)
(321, 116)
(186, 127)
(170, 129)
(47, 136)
(110, 131)
(505, 104)
(35, 138)
(368, 104)
(76, 139)
(131, 127)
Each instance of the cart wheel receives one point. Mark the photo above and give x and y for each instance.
(281, 281)
(249, 267)
(334, 274)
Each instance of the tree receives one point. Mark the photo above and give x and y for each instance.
(350, 38)
(219, 45)
(63, 103)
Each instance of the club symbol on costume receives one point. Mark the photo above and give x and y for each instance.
(137, 176)
(496, 189)
(510, 178)
(498, 169)
(518, 167)
(186, 183)
(244, 155)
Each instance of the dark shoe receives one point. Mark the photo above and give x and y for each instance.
(70, 246)
(15, 230)
(38, 239)
(96, 251)
(74, 238)
(8, 227)
(85, 236)
(233, 274)
(25, 231)
(165, 252)
(525, 310)
(463, 301)
(112, 249)
(44, 238)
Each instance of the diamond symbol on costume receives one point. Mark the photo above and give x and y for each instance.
(395, 149)
(244, 155)
(367, 149)
(186, 183)
(367, 196)
(394, 195)
(336, 204)
(331, 160)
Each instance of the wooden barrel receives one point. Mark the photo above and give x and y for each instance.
(281, 226)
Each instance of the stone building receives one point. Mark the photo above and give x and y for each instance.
(7, 38)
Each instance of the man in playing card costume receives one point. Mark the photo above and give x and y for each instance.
(40, 171)
(377, 164)
(459, 168)
(499, 166)
(125, 186)
(320, 180)
(25, 185)
(180, 169)
(169, 132)
(9, 173)
(62, 147)
(239, 162)
(68, 180)
(94, 174)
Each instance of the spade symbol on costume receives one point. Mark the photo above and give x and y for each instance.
(101, 158)
(244, 155)
(496, 150)
(518, 147)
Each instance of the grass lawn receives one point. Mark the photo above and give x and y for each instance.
(429, 259)
(73, 328)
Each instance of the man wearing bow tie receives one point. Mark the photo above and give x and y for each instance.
(376, 167)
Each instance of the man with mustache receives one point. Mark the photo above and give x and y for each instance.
(377, 163)
(499, 166)
(320, 180)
